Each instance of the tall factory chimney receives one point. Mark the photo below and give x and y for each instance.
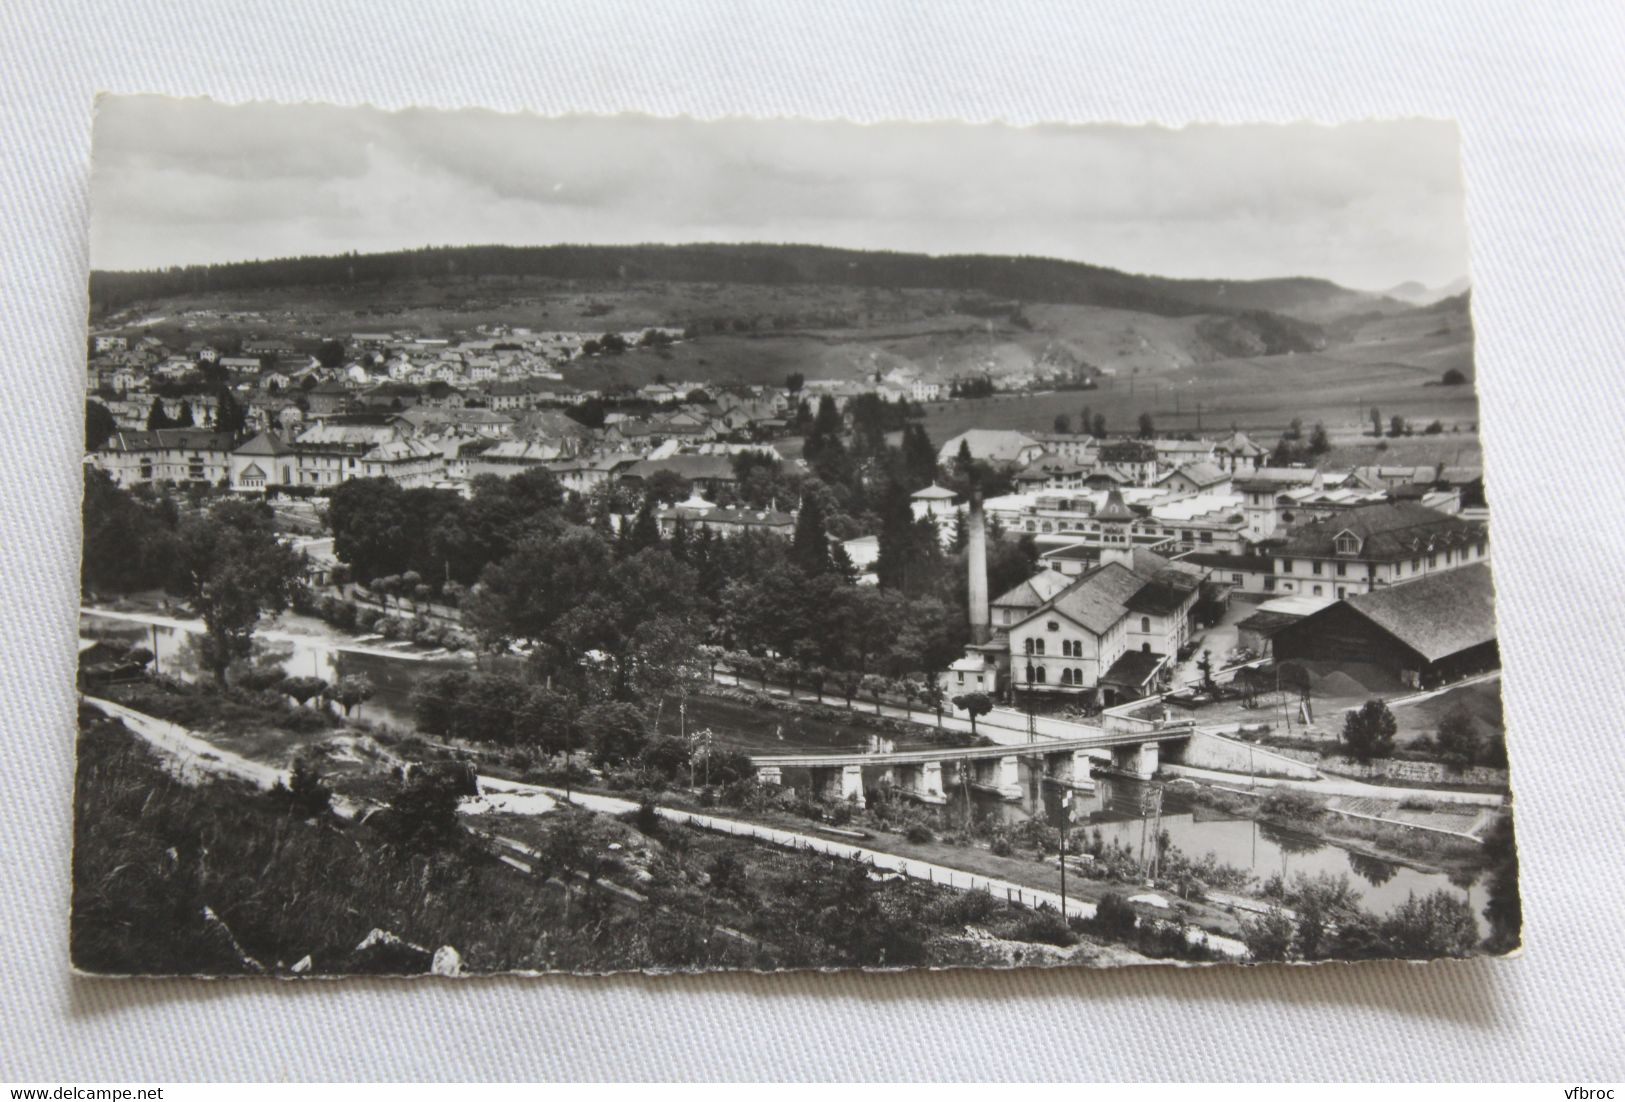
(976, 563)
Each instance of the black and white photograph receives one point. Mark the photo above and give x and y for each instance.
(518, 543)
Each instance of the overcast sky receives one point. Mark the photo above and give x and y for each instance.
(1368, 205)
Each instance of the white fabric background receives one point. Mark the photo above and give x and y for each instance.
(1538, 93)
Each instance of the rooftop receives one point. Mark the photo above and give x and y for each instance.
(1394, 530)
(1437, 615)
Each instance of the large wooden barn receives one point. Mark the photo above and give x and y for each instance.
(1438, 628)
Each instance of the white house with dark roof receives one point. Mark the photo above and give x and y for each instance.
(1196, 477)
(158, 456)
(1106, 634)
(1238, 454)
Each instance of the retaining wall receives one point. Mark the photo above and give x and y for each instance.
(1379, 769)
(1207, 750)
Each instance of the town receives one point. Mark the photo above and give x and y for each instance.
(784, 612)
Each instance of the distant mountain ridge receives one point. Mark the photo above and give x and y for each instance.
(1299, 301)
(1413, 293)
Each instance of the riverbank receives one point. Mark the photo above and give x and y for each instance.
(1305, 814)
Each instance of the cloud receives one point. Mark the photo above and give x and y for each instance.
(1368, 204)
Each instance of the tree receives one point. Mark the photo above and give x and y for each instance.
(1376, 421)
(977, 704)
(184, 418)
(423, 810)
(1437, 925)
(1453, 377)
(331, 354)
(615, 732)
(1319, 442)
(794, 381)
(919, 457)
(666, 487)
(1269, 938)
(229, 415)
(1097, 427)
(157, 418)
(230, 567)
(1458, 739)
(1205, 664)
(1063, 424)
(1396, 425)
(305, 793)
(352, 691)
(100, 425)
(875, 688)
(127, 545)
(645, 530)
(1147, 428)
(304, 689)
(809, 548)
(1369, 732)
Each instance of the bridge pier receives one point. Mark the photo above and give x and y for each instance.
(1069, 768)
(1000, 774)
(923, 782)
(841, 782)
(1139, 758)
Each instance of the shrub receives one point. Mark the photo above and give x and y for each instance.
(1289, 803)
(666, 756)
(646, 819)
(1044, 926)
(423, 810)
(919, 834)
(1115, 916)
(305, 794)
(964, 909)
(725, 766)
(1268, 938)
(726, 871)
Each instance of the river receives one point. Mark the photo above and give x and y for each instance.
(1259, 848)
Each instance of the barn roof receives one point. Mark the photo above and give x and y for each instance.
(1437, 615)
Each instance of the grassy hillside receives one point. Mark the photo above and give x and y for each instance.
(1243, 350)
(1018, 279)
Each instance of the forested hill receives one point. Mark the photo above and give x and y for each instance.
(1022, 279)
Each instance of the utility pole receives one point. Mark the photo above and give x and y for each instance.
(1066, 824)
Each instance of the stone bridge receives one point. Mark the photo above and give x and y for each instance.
(928, 775)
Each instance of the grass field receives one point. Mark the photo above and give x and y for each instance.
(1167, 366)
(1260, 397)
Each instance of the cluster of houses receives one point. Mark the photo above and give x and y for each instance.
(1139, 541)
